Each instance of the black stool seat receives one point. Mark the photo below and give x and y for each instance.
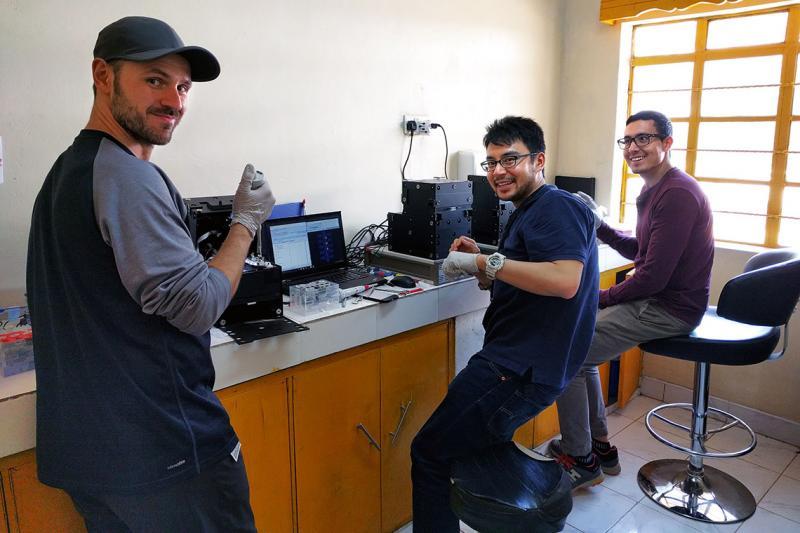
(718, 340)
(508, 489)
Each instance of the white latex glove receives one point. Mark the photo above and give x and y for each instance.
(460, 263)
(253, 202)
(598, 211)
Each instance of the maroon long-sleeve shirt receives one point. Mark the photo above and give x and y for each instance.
(673, 249)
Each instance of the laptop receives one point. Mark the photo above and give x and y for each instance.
(310, 248)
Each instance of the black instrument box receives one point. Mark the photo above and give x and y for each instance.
(428, 235)
(259, 293)
(430, 195)
(488, 224)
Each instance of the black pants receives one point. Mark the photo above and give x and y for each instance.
(217, 500)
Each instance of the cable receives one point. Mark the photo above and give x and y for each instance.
(446, 149)
(410, 144)
(378, 234)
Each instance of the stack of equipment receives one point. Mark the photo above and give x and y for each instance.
(434, 213)
(489, 214)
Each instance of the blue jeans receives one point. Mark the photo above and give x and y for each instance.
(484, 405)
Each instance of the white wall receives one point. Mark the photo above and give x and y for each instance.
(311, 91)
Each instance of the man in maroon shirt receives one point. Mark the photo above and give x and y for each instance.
(672, 252)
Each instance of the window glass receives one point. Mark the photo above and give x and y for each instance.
(794, 137)
(743, 198)
(629, 220)
(793, 168)
(671, 103)
(791, 202)
(663, 77)
(740, 228)
(680, 134)
(743, 71)
(756, 101)
(747, 31)
(736, 136)
(663, 39)
(678, 158)
(632, 189)
(737, 165)
(789, 234)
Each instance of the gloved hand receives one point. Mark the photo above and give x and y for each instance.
(251, 207)
(460, 263)
(598, 211)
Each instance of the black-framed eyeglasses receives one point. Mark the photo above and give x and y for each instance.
(641, 140)
(507, 161)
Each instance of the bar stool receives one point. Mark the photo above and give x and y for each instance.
(510, 489)
(743, 329)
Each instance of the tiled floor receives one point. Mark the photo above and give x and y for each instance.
(771, 472)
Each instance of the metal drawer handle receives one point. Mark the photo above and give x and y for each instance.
(403, 412)
(371, 440)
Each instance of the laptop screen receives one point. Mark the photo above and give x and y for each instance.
(306, 244)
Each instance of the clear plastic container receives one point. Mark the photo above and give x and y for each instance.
(317, 296)
(16, 351)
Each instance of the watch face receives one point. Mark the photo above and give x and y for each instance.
(494, 261)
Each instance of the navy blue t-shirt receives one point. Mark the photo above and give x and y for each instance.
(546, 334)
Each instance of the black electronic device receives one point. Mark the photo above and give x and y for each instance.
(490, 214)
(258, 297)
(404, 282)
(312, 247)
(428, 235)
(576, 184)
(432, 195)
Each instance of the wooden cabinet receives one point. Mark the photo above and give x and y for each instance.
(259, 412)
(30, 506)
(337, 445)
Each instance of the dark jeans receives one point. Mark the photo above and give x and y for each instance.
(484, 405)
(216, 500)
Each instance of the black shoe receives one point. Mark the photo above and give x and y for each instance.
(608, 456)
(583, 474)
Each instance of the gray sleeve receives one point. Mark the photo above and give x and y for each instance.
(139, 219)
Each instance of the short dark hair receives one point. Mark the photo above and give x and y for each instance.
(508, 130)
(663, 124)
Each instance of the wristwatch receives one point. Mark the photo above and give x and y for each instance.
(493, 264)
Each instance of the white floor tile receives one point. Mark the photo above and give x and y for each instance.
(637, 407)
(625, 483)
(793, 470)
(617, 422)
(636, 440)
(569, 529)
(757, 479)
(597, 508)
(769, 453)
(465, 528)
(765, 522)
(406, 528)
(784, 499)
(642, 519)
(690, 524)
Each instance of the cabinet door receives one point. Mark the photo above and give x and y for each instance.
(34, 507)
(3, 506)
(336, 413)
(414, 376)
(259, 412)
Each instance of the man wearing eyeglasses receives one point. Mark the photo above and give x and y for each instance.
(544, 287)
(672, 252)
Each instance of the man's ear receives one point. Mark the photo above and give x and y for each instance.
(539, 159)
(102, 75)
(667, 142)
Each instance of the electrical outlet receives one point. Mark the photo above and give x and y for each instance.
(419, 124)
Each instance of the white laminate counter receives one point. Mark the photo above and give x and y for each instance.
(356, 325)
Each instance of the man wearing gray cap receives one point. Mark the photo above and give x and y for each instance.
(121, 306)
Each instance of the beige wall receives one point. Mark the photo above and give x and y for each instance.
(312, 92)
(589, 123)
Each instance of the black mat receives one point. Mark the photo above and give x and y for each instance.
(254, 330)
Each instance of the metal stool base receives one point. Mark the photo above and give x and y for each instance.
(712, 496)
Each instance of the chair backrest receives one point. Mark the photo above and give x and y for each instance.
(766, 293)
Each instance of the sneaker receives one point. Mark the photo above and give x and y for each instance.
(608, 456)
(582, 474)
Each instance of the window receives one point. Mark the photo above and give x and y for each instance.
(729, 85)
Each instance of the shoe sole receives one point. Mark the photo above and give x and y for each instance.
(611, 470)
(589, 483)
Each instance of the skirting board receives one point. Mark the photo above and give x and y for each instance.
(772, 426)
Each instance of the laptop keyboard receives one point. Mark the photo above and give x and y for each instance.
(347, 275)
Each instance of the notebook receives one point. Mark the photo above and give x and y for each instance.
(312, 247)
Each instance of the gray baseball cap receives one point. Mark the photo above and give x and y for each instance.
(144, 39)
